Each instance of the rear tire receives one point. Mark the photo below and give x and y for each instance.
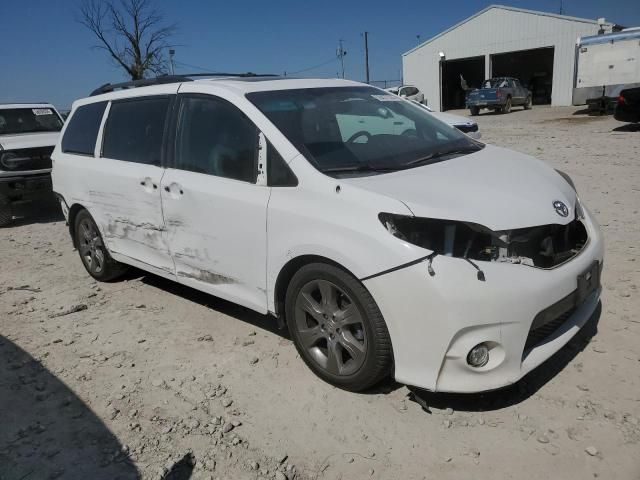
(507, 106)
(337, 327)
(93, 252)
(475, 111)
(6, 212)
(527, 104)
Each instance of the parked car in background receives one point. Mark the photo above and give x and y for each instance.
(499, 94)
(409, 92)
(463, 124)
(28, 133)
(628, 106)
(388, 242)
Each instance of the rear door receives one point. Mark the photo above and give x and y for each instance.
(215, 209)
(124, 188)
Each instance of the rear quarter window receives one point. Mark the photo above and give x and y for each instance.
(82, 131)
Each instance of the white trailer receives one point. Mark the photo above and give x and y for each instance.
(605, 65)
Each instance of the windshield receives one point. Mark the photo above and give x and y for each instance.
(29, 120)
(360, 129)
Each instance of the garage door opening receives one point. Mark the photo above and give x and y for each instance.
(534, 69)
(458, 75)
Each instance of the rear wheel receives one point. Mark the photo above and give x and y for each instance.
(6, 212)
(93, 253)
(337, 327)
(474, 111)
(527, 104)
(507, 106)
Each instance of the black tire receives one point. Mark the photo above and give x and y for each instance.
(507, 106)
(475, 111)
(373, 362)
(527, 104)
(93, 252)
(6, 212)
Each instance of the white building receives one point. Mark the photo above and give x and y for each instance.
(538, 48)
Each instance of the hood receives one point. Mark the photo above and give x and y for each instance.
(494, 187)
(29, 140)
(452, 119)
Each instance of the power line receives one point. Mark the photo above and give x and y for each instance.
(203, 69)
(313, 68)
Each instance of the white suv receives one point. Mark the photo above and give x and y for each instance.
(28, 133)
(389, 242)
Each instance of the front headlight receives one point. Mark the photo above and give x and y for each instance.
(445, 237)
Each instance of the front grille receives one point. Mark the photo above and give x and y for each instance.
(542, 332)
(468, 128)
(549, 320)
(23, 159)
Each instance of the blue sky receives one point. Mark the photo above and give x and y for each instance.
(47, 56)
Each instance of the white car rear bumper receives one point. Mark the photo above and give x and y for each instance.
(435, 320)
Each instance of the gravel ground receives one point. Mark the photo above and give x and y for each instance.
(143, 378)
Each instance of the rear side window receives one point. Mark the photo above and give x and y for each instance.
(216, 138)
(135, 129)
(82, 131)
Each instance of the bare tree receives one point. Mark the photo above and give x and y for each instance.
(131, 31)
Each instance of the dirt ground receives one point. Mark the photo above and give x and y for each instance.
(143, 378)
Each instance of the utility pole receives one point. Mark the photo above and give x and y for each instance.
(172, 52)
(561, 8)
(341, 54)
(366, 55)
(418, 37)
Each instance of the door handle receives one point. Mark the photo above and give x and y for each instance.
(168, 189)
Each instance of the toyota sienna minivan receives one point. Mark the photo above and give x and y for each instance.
(388, 242)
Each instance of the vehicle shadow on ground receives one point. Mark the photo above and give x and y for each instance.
(264, 322)
(49, 432)
(45, 211)
(518, 392)
(516, 109)
(629, 127)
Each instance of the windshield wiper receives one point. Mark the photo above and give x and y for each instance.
(357, 168)
(435, 155)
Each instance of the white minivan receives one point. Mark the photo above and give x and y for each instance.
(387, 241)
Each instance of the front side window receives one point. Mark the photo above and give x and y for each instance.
(216, 138)
(359, 130)
(135, 129)
(14, 121)
(82, 131)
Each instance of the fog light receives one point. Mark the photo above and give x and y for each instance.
(478, 356)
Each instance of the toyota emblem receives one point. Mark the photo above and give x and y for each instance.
(561, 208)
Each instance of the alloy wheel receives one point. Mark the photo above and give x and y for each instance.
(330, 327)
(91, 247)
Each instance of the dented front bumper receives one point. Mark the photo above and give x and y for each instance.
(435, 320)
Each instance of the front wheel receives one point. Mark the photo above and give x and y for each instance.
(474, 111)
(337, 327)
(93, 252)
(527, 104)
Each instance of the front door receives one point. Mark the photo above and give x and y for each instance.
(215, 211)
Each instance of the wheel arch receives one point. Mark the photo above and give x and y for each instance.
(287, 272)
(71, 220)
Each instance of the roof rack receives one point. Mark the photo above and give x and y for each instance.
(163, 79)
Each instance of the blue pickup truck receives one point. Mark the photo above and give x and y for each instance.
(499, 94)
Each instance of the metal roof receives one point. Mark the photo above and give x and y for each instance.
(513, 9)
